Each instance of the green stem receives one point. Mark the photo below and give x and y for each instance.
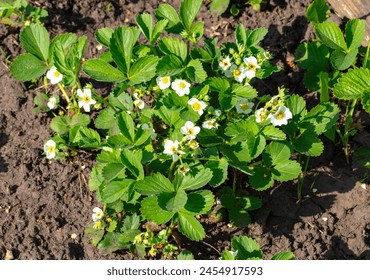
(347, 128)
(364, 63)
(301, 179)
(172, 170)
(64, 93)
(234, 181)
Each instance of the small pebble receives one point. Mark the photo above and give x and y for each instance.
(324, 219)
(363, 185)
(9, 255)
(73, 236)
(314, 190)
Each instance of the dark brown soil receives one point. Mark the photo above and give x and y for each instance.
(43, 204)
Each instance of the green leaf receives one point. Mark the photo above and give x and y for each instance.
(218, 84)
(278, 152)
(227, 256)
(121, 45)
(132, 161)
(219, 168)
(167, 12)
(190, 227)
(255, 36)
(297, 105)
(245, 91)
(321, 118)
(330, 34)
(170, 117)
(185, 256)
(246, 248)
(142, 135)
(131, 222)
(219, 6)
(173, 202)
(158, 29)
(313, 56)
(145, 22)
(352, 84)
(355, 32)
(80, 120)
(197, 31)
(188, 12)
(105, 119)
(170, 65)
(60, 124)
(365, 100)
(102, 71)
(239, 217)
(154, 184)
(113, 170)
(127, 127)
(283, 256)
(286, 170)
(342, 60)
(199, 202)
(195, 71)
(324, 87)
(196, 178)
(273, 133)
(84, 137)
(308, 144)
(151, 211)
(26, 67)
(117, 190)
(35, 40)
(143, 70)
(171, 45)
(317, 12)
(261, 179)
(240, 35)
(250, 202)
(103, 35)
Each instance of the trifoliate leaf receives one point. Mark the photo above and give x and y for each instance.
(143, 70)
(35, 40)
(261, 179)
(196, 178)
(151, 211)
(190, 227)
(154, 184)
(352, 84)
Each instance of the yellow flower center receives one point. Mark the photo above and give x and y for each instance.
(244, 106)
(225, 63)
(236, 73)
(165, 80)
(280, 115)
(196, 106)
(56, 74)
(252, 66)
(182, 85)
(191, 131)
(51, 149)
(86, 99)
(173, 149)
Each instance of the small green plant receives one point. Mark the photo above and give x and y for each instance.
(246, 248)
(333, 65)
(182, 130)
(20, 12)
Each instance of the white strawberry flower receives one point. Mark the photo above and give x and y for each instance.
(210, 124)
(97, 214)
(244, 106)
(52, 103)
(50, 149)
(238, 73)
(163, 82)
(172, 148)
(251, 66)
(261, 115)
(281, 116)
(190, 130)
(225, 63)
(54, 75)
(84, 99)
(139, 104)
(181, 87)
(197, 105)
(193, 144)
